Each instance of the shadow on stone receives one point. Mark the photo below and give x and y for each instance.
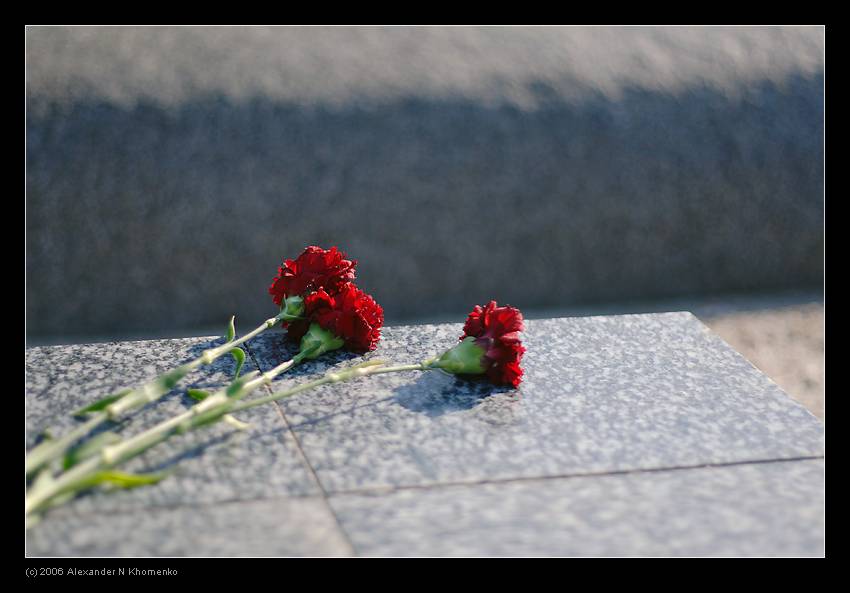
(437, 393)
(343, 412)
(198, 348)
(193, 451)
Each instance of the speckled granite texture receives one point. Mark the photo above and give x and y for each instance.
(609, 434)
(629, 162)
(295, 526)
(215, 465)
(761, 509)
(600, 394)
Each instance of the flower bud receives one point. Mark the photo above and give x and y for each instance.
(318, 341)
(467, 358)
(293, 306)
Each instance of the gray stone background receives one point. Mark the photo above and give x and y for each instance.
(170, 169)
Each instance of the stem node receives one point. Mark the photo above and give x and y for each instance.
(108, 454)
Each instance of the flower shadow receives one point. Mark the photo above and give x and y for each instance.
(190, 451)
(437, 393)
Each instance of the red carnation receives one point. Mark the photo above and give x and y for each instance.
(314, 269)
(351, 314)
(496, 331)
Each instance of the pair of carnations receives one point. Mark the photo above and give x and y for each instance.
(325, 310)
(321, 307)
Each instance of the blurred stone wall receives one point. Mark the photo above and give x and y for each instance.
(170, 169)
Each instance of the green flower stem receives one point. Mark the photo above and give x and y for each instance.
(361, 370)
(213, 408)
(81, 477)
(48, 451)
(154, 390)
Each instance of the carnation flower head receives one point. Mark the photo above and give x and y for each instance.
(314, 269)
(350, 314)
(490, 345)
(496, 330)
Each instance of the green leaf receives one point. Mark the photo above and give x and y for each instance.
(198, 394)
(211, 417)
(102, 404)
(239, 355)
(124, 480)
(168, 380)
(89, 448)
(231, 330)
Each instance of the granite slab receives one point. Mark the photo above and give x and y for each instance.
(601, 394)
(763, 509)
(602, 451)
(217, 464)
(292, 526)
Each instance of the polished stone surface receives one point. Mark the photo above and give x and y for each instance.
(599, 394)
(763, 509)
(295, 526)
(213, 465)
(602, 451)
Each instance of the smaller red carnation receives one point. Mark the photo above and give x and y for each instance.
(315, 268)
(351, 314)
(496, 331)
